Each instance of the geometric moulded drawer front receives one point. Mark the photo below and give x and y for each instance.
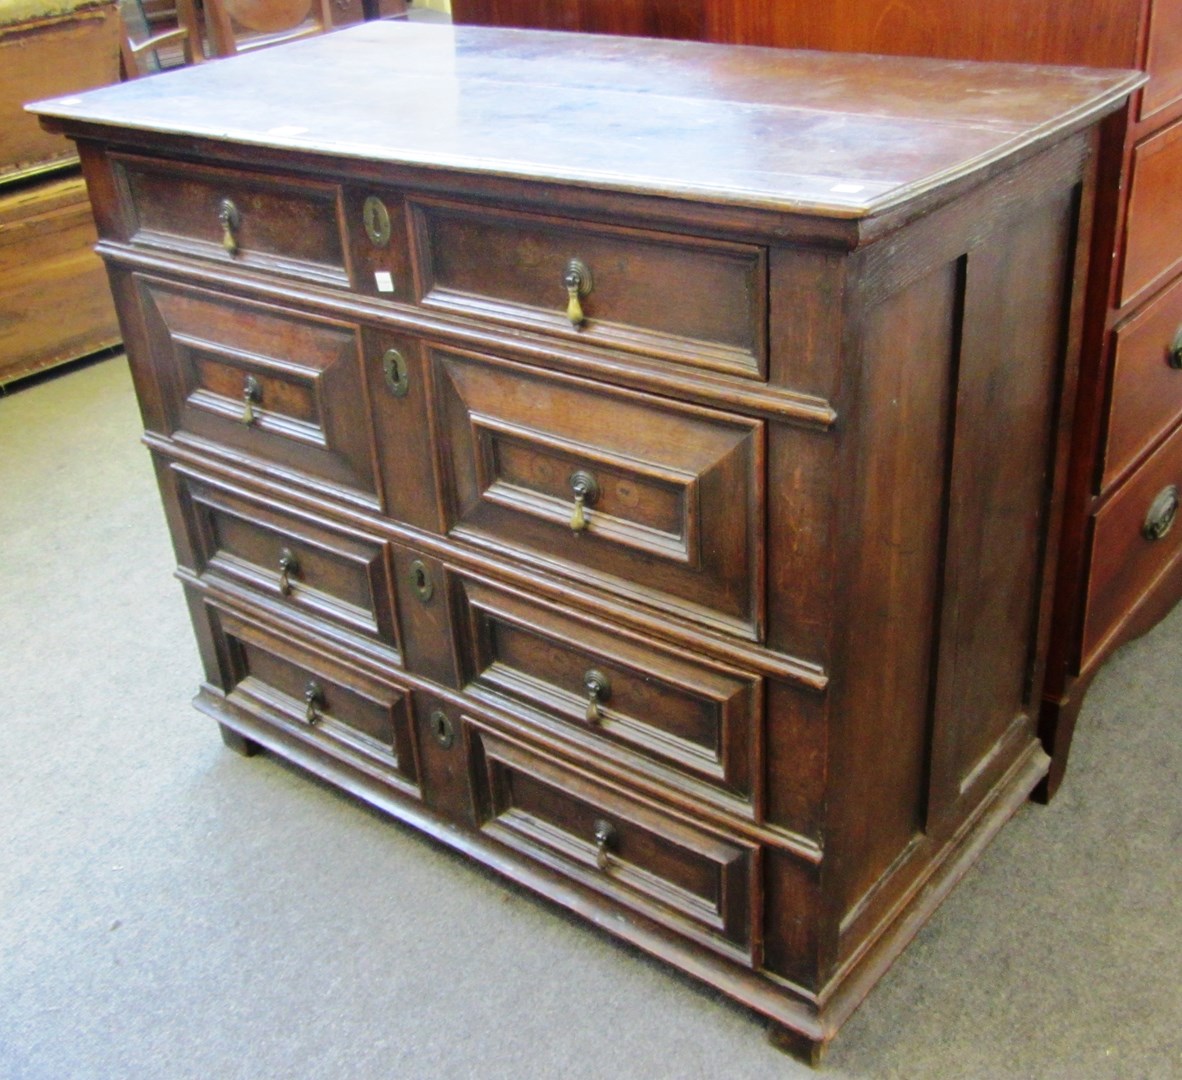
(338, 579)
(360, 719)
(694, 881)
(656, 710)
(260, 381)
(654, 499)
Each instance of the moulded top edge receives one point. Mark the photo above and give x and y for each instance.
(830, 134)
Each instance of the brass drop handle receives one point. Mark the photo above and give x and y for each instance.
(576, 279)
(1175, 356)
(1162, 512)
(230, 220)
(289, 567)
(313, 701)
(599, 690)
(605, 837)
(585, 489)
(252, 394)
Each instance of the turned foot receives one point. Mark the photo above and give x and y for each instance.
(800, 1046)
(240, 744)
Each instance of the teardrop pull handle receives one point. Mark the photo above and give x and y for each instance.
(289, 567)
(585, 489)
(230, 220)
(1175, 355)
(252, 393)
(605, 838)
(313, 701)
(576, 279)
(599, 690)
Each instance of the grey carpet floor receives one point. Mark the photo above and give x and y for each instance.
(169, 909)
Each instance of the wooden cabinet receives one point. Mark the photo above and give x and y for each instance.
(661, 516)
(1131, 394)
(55, 305)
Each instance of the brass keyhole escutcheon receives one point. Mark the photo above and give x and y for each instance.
(585, 489)
(421, 581)
(605, 838)
(313, 701)
(289, 567)
(394, 369)
(576, 279)
(1162, 512)
(1175, 355)
(377, 221)
(252, 394)
(230, 221)
(442, 729)
(599, 689)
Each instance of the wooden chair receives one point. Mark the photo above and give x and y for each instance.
(238, 25)
(143, 51)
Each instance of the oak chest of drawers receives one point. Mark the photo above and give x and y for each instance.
(631, 463)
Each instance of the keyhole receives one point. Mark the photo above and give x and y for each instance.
(421, 580)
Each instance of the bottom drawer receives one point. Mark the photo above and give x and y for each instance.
(1135, 539)
(696, 882)
(355, 717)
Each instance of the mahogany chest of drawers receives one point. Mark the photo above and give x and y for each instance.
(632, 463)
(1121, 562)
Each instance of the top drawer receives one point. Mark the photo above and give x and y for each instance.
(687, 299)
(276, 224)
(1164, 58)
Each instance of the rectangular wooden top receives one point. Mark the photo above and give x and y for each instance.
(838, 135)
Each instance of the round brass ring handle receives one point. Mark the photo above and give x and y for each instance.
(313, 701)
(1162, 512)
(230, 219)
(599, 690)
(289, 567)
(1174, 358)
(605, 837)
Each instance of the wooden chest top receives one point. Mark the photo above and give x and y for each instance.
(832, 135)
